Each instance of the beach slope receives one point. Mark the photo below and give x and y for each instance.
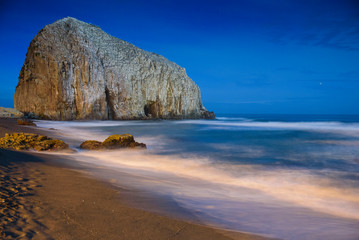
(41, 199)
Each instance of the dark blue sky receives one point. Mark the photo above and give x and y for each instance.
(247, 56)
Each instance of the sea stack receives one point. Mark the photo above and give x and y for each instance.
(74, 70)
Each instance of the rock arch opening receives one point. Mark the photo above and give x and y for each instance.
(152, 110)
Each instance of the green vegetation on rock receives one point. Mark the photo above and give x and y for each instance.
(91, 145)
(27, 141)
(114, 140)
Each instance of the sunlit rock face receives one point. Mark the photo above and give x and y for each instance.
(74, 70)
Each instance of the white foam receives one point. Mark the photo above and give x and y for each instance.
(94, 123)
(352, 128)
(239, 124)
(300, 187)
(232, 118)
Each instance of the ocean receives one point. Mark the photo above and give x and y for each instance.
(283, 176)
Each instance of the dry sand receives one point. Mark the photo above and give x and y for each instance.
(43, 200)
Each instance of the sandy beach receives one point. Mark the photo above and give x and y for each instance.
(41, 199)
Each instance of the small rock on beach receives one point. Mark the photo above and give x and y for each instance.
(113, 142)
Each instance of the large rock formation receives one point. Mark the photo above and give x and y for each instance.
(74, 70)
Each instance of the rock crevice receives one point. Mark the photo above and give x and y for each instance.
(74, 70)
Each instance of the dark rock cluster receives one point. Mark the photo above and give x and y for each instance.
(113, 142)
(30, 141)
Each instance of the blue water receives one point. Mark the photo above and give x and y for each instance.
(285, 176)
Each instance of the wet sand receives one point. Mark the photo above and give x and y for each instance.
(41, 199)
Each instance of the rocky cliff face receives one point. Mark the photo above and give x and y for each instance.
(74, 70)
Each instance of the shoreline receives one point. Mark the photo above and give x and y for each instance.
(58, 202)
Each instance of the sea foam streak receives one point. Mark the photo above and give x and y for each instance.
(344, 128)
(232, 194)
(299, 187)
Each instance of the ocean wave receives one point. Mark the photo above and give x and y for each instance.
(276, 125)
(227, 190)
(221, 123)
(300, 187)
(233, 118)
(93, 123)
